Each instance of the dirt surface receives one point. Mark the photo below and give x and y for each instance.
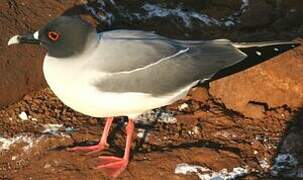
(252, 120)
(205, 133)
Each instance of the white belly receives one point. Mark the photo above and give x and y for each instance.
(72, 83)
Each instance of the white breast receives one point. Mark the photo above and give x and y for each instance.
(72, 81)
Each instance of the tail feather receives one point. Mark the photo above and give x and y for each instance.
(256, 53)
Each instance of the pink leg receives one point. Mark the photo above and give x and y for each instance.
(113, 166)
(103, 142)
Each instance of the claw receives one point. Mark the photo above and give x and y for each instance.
(102, 143)
(112, 166)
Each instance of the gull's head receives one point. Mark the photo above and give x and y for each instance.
(63, 37)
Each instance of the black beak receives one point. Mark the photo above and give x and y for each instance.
(21, 39)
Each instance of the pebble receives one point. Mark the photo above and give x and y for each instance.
(183, 107)
(23, 116)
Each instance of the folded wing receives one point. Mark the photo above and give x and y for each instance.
(171, 66)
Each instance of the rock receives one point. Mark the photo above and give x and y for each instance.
(199, 94)
(289, 21)
(258, 14)
(293, 143)
(206, 133)
(255, 110)
(274, 83)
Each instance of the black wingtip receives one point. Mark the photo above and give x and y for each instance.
(266, 52)
(256, 55)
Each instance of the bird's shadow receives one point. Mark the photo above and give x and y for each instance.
(116, 129)
(148, 128)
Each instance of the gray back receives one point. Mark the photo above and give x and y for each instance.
(200, 61)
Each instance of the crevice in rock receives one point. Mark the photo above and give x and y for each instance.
(263, 104)
(226, 111)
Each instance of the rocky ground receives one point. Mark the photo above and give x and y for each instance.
(248, 125)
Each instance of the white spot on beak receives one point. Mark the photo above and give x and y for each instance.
(258, 53)
(277, 49)
(13, 40)
(293, 46)
(36, 35)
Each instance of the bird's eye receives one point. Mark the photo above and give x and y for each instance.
(54, 36)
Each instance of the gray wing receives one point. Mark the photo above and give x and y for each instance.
(171, 66)
(126, 50)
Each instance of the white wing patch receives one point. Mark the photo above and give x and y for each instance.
(153, 64)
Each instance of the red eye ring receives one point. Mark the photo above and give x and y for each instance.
(54, 36)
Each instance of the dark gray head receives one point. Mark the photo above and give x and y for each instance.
(63, 37)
